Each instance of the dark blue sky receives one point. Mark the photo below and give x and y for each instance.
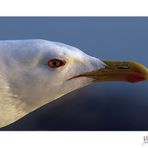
(102, 106)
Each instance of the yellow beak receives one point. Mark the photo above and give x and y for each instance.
(119, 71)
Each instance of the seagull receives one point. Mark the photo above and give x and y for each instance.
(35, 72)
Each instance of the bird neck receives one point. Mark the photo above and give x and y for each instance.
(14, 107)
(11, 109)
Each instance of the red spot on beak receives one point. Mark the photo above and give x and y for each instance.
(135, 77)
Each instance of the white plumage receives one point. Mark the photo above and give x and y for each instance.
(26, 80)
(35, 72)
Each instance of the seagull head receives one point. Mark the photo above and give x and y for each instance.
(39, 71)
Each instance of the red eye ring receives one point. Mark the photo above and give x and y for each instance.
(55, 63)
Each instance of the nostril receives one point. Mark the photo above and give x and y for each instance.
(123, 67)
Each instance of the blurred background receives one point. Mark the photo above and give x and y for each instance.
(112, 106)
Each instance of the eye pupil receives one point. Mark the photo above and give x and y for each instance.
(55, 63)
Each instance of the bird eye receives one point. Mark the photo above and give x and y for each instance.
(55, 63)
